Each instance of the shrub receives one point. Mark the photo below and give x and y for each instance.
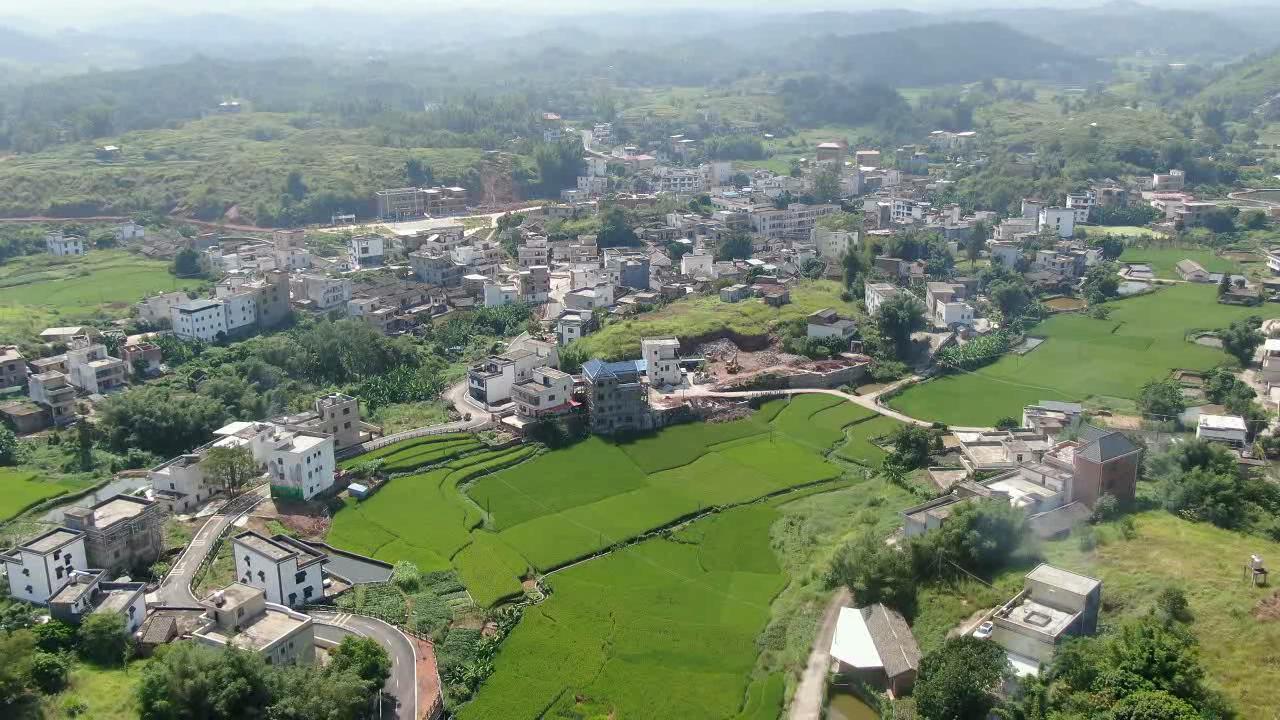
(49, 672)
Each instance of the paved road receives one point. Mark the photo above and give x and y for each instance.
(808, 700)
(175, 589)
(403, 683)
(868, 401)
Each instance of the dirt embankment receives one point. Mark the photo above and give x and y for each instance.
(750, 343)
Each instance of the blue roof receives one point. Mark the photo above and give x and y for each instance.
(595, 367)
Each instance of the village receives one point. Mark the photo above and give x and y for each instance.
(837, 306)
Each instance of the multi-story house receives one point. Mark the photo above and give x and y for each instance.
(697, 265)
(490, 382)
(204, 320)
(436, 268)
(40, 567)
(797, 220)
(335, 414)
(239, 616)
(1081, 204)
(322, 293)
(1058, 219)
(827, 323)
(300, 464)
(121, 533)
(877, 294)
(617, 400)
(662, 361)
(547, 392)
(13, 367)
(533, 251)
(51, 391)
(159, 308)
(60, 245)
(1054, 605)
(87, 593)
(834, 244)
(572, 325)
(287, 571)
(91, 369)
(588, 299)
(240, 308)
(367, 250)
(534, 285)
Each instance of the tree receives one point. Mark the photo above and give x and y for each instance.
(1255, 220)
(159, 419)
(54, 636)
(1172, 606)
(1101, 283)
(875, 573)
(1241, 339)
(616, 229)
(186, 264)
(8, 446)
(1111, 246)
(311, 693)
(190, 682)
(232, 467)
(956, 681)
(364, 657)
(49, 672)
(1008, 422)
(418, 173)
(84, 446)
(1011, 296)
(17, 649)
(897, 319)
(1153, 705)
(736, 246)
(826, 185)
(1161, 399)
(911, 446)
(1224, 284)
(294, 186)
(104, 638)
(976, 242)
(854, 266)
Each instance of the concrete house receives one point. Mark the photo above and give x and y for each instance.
(1227, 429)
(878, 294)
(662, 361)
(875, 645)
(616, 398)
(1054, 605)
(91, 369)
(59, 245)
(87, 593)
(52, 392)
(1059, 219)
(491, 380)
(202, 319)
(1192, 271)
(826, 323)
(120, 533)
(239, 616)
(40, 567)
(547, 392)
(300, 464)
(287, 571)
(697, 264)
(13, 367)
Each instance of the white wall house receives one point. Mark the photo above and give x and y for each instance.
(1059, 219)
(60, 245)
(241, 311)
(834, 244)
(91, 369)
(662, 361)
(878, 294)
(130, 231)
(499, 294)
(367, 250)
(287, 571)
(40, 567)
(1227, 429)
(947, 314)
(203, 320)
(300, 464)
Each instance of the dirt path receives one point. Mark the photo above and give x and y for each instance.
(807, 702)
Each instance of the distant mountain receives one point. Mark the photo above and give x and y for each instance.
(940, 54)
(18, 46)
(1124, 28)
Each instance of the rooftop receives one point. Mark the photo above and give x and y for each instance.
(191, 306)
(118, 508)
(1222, 422)
(1065, 579)
(51, 540)
(232, 596)
(260, 631)
(1039, 618)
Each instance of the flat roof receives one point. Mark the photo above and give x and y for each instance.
(261, 631)
(263, 545)
(1222, 422)
(1065, 579)
(117, 508)
(198, 305)
(117, 600)
(852, 643)
(51, 540)
(233, 595)
(1038, 617)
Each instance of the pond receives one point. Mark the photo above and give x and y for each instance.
(1131, 287)
(844, 706)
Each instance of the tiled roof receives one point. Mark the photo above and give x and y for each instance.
(1102, 445)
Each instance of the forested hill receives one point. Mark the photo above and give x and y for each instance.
(1247, 86)
(938, 54)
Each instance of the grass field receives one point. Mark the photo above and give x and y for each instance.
(662, 629)
(20, 489)
(1082, 357)
(859, 447)
(1237, 649)
(107, 693)
(1121, 231)
(1164, 260)
(39, 291)
(705, 315)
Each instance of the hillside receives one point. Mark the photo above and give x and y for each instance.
(1123, 28)
(1246, 85)
(941, 54)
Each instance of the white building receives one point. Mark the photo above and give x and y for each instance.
(490, 381)
(1228, 429)
(588, 299)
(130, 231)
(240, 309)
(91, 369)
(547, 392)
(662, 361)
(571, 326)
(948, 314)
(204, 320)
(834, 244)
(1005, 252)
(1059, 219)
(40, 567)
(287, 571)
(697, 264)
(878, 294)
(367, 250)
(160, 307)
(826, 323)
(796, 219)
(497, 295)
(60, 245)
(1081, 204)
(239, 616)
(1271, 361)
(325, 293)
(1172, 181)
(1273, 261)
(300, 464)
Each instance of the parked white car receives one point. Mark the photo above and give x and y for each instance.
(984, 630)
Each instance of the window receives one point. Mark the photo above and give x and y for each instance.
(57, 554)
(26, 571)
(346, 425)
(346, 411)
(300, 576)
(58, 572)
(307, 591)
(28, 589)
(293, 598)
(262, 576)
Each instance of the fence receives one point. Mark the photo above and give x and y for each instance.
(386, 440)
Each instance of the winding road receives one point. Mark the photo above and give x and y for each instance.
(403, 683)
(175, 590)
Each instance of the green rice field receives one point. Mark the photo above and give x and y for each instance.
(1163, 261)
(1144, 339)
(39, 291)
(21, 489)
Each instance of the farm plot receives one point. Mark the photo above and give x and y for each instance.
(1163, 261)
(406, 448)
(1144, 339)
(662, 629)
(860, 446)
(20, 490)
(819, 420)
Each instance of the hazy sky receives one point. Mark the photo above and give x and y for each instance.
(80, 13)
